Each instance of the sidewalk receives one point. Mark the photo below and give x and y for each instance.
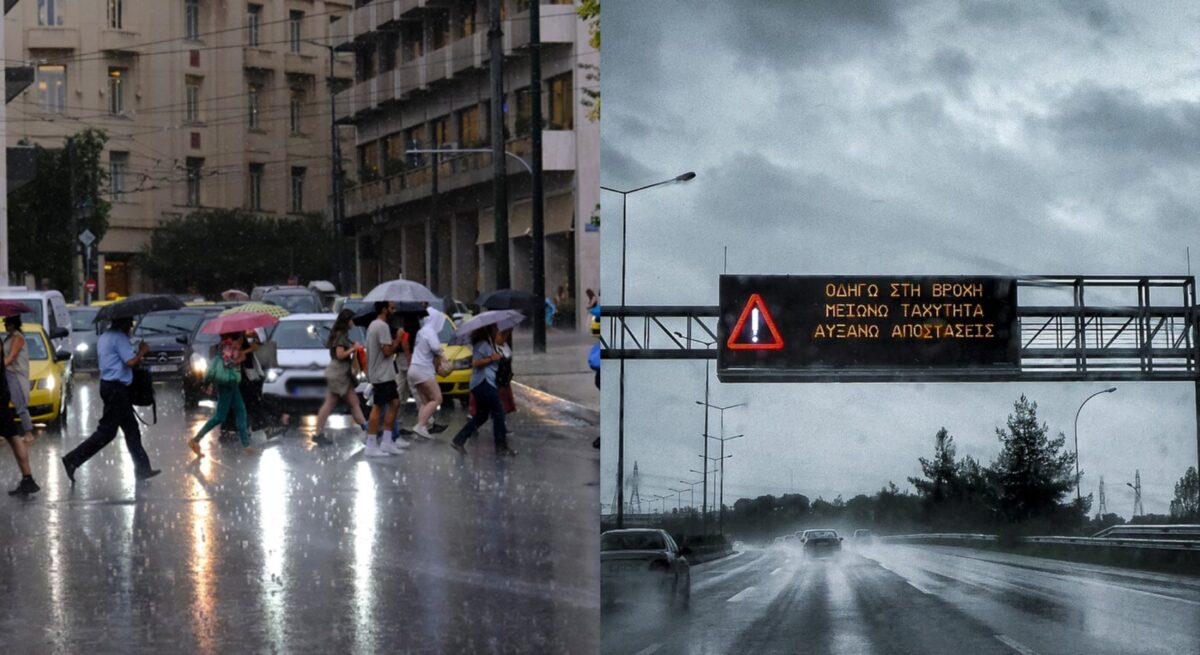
(562, 370)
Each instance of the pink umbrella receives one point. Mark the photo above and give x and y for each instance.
(238, 323)
(13, 308)
(234, 294)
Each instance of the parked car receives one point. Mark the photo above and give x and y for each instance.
(297, 300)
(325, 291)
(821, 543)
(296, 384)
(49, 377)
(644, 560)
(863, 537)
(84, 335)
(162, 331)
(47, 309)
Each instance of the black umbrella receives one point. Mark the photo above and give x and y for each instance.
(507, 299)
(131, 307)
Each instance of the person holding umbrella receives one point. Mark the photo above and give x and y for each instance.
(484, 362)
(16, 365)
(225, 372)
(8, 430)
(381, 373)
(338, 376)
(422, 371)
(117, 359)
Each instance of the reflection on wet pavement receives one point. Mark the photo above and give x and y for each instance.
(304, 549)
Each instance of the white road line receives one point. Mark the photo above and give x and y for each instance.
(1016, 645)
(741, 594)
(776, 570)
(918, 587)
(650, 650)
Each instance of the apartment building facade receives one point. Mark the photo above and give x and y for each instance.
(206, 103)
(422, 82)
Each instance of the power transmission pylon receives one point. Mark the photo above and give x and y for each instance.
(635, 501)
(1138, 510)
(1103, 508)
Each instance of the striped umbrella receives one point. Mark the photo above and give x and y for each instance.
(256, 308)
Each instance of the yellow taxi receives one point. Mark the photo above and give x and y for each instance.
(49, 377)
(458, 383)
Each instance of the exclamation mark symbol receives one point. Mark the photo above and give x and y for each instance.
(754, 324)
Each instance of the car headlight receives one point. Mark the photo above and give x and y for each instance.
(273, 374)
(361, 377)
(81, 348)
(47, 383)
(199, 365)
(461, 364)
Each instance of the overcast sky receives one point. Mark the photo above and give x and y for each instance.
(883, 138)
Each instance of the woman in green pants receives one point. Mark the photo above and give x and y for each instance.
(225, 372)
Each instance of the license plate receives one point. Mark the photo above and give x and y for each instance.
(162, 368)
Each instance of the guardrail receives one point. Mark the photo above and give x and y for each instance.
(1187, 532)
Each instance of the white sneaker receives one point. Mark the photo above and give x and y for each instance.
(422, 431)
(375, 451)
(390, 447)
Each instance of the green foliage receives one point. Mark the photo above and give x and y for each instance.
(217, 249)
(1186, 505)
(589, 11)
(39, 213)
(1032, 472)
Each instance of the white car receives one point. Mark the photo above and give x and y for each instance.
(296, 384)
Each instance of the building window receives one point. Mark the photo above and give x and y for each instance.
(561, 109)
(295, 22)
(412, 141)
(192, 89)
(387, 51)
(116, 9)
(116, 90)
(253, 21)
(297, 189)
(195, 167)
(368, 161)
(295, 107)
(191, 19)
(466, 18)
(50, 13)
(364, 63)
(253, 105)
(118, 169)
(52, 87)
(524, 101)
(470, 127)
(393, 154)
(441, 132)
(412, 43)
(254, 201)
(439, 28)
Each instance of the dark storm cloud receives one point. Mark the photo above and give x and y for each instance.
(1120, 122)
(1097, 15)
(953, 67)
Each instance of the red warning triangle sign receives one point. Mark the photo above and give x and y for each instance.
(762, 335)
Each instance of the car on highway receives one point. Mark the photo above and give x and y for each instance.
(162, 330)
(296, 384)
(821, 543)
(633, 560)
(84, 335)
(49, 379)
(863, 537)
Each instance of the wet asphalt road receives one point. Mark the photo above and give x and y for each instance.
(305, 550)
(903, 599)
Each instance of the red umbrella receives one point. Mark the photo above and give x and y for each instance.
(13, 308)
(238, 323)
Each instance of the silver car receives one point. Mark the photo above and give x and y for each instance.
(644, 560)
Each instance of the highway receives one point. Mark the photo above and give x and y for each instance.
(913, 599)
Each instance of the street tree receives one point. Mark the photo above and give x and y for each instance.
(1186, 505)
(1033, 472)
(589, 11)
(211, 250)
(41, 238)
(940, 472)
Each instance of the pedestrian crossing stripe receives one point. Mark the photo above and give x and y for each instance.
(756, 340)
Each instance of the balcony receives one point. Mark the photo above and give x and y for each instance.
(413, 76)
(556, 27)
(54, 38)
(119, 41)
(301, 64)
(343, 68)
(468, 52)
(259, 59)
(343, 106)
(437, 64)
(341, 36)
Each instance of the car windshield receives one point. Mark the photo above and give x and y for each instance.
(167, 323)
(309, 335)
(822, 534)
(81, 319)
(295, 303)
(37, 346)
(632, 541)
(35, 315)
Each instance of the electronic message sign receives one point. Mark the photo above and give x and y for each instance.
(866, 328)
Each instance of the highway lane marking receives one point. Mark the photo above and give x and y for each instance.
(1015, 645)
(889, 569)
(741, 594)
(650, 650)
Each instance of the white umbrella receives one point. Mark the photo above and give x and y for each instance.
(405, 291)
(503, 319)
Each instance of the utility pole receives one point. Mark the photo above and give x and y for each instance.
(432, 282)
(339, 192)
(535, 127)
(499, 177)
(74, 219)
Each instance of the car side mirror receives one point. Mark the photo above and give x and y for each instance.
(62, 355)
(181, 340)
(59, 333)
(685, 551)
(841, 538)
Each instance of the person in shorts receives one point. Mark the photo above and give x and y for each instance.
(382, 346)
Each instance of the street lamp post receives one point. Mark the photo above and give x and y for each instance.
(718, 466)
(678, 498)
(704, 489)
(692, 490)
(707, 406)
(621, 375)
(1078, 497)
(721, 502)
(339, 189)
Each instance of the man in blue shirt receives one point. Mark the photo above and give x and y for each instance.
(117, 359)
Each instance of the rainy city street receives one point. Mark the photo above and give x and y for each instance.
(306, 549)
